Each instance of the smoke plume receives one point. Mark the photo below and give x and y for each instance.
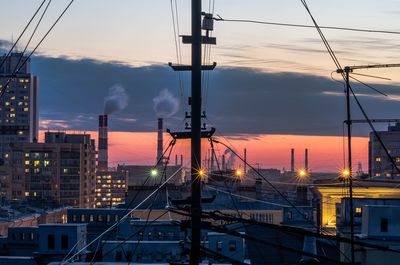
(231, 160)
(116, 100)
(165, 104)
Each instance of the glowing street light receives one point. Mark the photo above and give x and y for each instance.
(238, 173)
(154, 172)
(345, 173)
(201, 172)
(302, 173)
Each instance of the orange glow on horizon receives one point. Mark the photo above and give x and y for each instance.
(264, 151)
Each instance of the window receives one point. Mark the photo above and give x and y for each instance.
(290, 215)
(91, 218)
(384, 224)
(149, 236)
(82, 218)
(74, 218)
(358, 211)
(219, 245)
(50, 242)
(100, 217)
(108, 218)
(21, 236)
(378, 159)
(232, 245)
(14, 237)
(64, 241)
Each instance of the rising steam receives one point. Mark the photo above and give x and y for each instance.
(231, 160)
(165, 104)
(116, 100)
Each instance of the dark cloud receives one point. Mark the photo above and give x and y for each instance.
(238, 100)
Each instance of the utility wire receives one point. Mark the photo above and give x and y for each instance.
(122, 219)
(369, 86)
(22, 33)
(34, 50)
(219, 18)
(374, 131)
(30, 38)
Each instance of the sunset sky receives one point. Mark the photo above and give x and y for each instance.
(272, 89)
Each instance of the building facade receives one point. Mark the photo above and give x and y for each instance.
(61, 170)
(111, 188)
(18, 104)
(379, 163)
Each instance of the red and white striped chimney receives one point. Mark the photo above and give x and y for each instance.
(102, 163)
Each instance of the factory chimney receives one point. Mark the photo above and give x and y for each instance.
(160, 140)
(292, 161)
(306, 160)
(102, 164)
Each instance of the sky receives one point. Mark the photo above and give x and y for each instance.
(270, 81)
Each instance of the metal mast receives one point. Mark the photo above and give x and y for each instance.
(347, 70)
(196, 133)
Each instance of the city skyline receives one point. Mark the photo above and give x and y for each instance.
(271, 79)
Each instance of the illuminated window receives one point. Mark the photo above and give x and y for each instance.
(26, 109)
(377, 174)
(358, 211)
(26, 154)
(378, 159)
(65, 170)
(20, 132)
(34, 194)
(12, 110)
(26, 170)
(6, 155)
(397, 159)
(36, 163)
(46, 163)
(7, 103)
(388, 174)
(26, 97)
(12, 115)
(26, 194)
(27, 162)
(12, 98)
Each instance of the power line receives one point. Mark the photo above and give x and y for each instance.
(122, 219)
(13, 75)
(219, 18)
(22, 33)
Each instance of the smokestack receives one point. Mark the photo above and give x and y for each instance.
(102, 164)
(176, 160)
(292, 161)
(223, 162)
(212, 160)
(245, 162)
(181, 160)
(160, 140)
(306, 160)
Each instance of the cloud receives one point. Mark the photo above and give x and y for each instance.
(239, 100)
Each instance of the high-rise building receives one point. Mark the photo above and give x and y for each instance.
(18, 105)
(379, 163)
(62, 170)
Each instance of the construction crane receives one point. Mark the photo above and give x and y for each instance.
(346, 75)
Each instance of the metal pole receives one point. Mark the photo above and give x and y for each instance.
(347, 71)
(196, 133)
